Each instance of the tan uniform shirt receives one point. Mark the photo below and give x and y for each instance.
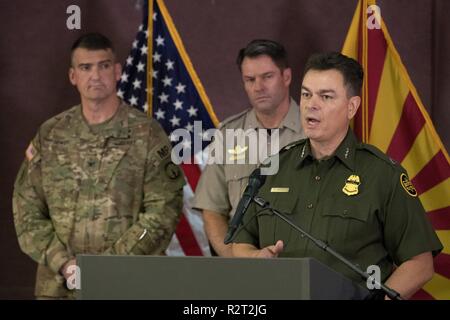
(221, 185)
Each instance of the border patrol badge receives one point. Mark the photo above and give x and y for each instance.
(351, 185)
(407, 185)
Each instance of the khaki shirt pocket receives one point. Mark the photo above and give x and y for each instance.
(236, 178)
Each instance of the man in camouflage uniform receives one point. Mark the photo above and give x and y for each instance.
(266, 76)
(97, 178)
(346, 193)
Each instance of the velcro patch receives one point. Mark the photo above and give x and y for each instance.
(172, 170)
(163, 152)
(30, 152)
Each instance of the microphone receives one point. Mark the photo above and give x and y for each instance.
(255, 181)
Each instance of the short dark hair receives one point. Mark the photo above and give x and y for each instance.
(350, 69)
(92, 41)
(261, 47)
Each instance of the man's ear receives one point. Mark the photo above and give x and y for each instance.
(72, 76)
(353, 105)
(117, 71)
(287, 76)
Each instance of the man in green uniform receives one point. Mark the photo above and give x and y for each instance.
(343, 192)
(97, 178)
(266, 77)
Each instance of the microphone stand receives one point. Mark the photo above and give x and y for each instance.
(392, 294)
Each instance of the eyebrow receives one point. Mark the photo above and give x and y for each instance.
(259, 75)
(90, 64)
(323, 91)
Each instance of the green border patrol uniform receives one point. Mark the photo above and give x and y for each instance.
(358, 201)
(109, 188)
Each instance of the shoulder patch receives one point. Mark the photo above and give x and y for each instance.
(163, 152)
(407, 185)
(172, 170)
(30, 152)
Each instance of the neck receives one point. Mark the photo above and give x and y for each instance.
(322, 149)
(97, 112)
(273, 119)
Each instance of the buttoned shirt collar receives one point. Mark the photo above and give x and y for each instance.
(291, 120)
(345, 152)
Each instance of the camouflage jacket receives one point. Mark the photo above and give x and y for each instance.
(113, 190)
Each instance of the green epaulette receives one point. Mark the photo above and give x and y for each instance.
(284, 149)
(292, 145)
(380, 155)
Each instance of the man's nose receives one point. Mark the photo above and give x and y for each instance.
(95, 73)
(312, 103)
(258, 85)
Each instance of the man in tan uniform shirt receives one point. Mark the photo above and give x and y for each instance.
(266, 76)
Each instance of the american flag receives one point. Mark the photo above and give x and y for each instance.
(158, 78)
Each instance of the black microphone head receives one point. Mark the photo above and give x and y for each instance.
(256, 179)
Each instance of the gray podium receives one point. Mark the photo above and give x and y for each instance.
(211, 278)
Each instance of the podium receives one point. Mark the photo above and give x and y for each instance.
(211, 278)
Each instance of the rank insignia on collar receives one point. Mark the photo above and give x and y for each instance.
(346, 153)
(303, 151)
(351, 185)
(237, 152)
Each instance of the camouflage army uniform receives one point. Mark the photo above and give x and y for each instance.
(103, 189)
(358, 201)
(221, 185)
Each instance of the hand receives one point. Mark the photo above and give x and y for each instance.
(271, 251)
(66, 271)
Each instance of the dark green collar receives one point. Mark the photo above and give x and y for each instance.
(345, 152)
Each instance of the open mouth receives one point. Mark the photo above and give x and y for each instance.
(312, 120)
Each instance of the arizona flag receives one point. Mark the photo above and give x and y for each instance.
(393, 118)
(158, 78)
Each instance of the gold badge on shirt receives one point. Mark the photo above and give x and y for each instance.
(407, 185)
(279, 190)
(351, 185)
(237, 153)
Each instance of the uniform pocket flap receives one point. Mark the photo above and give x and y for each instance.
(284, 202)
(348, 209)
(236, 172)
